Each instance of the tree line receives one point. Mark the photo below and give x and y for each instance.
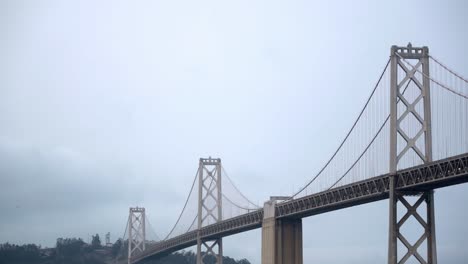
(76, 251)
(189, 257)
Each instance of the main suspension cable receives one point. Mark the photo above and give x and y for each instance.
(239, 206)
(448, 69)
(150, 227)
(193, 222)
(185, 205)
(233, 185)
(362, 154)
(430, 78)
(371, 142)
(347, 135)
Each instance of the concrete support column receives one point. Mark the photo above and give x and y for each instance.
(281, 239)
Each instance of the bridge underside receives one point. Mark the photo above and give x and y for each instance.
(422, 178)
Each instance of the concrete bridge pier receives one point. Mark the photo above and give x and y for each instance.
(281, 238)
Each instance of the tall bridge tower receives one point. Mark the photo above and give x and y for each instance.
(136, 231)
(410, 138)
(209, 208)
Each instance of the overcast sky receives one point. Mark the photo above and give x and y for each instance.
(109, 104)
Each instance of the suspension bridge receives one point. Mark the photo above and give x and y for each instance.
(410, 138)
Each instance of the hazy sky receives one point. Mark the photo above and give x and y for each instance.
(109, 104)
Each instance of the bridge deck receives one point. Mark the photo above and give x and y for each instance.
(433, 175)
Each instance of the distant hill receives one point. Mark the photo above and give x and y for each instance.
(75, 251)
(191, 258)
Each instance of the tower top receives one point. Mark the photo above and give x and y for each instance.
(410, 52)
(210, 161)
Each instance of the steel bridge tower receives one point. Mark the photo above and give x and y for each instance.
(209, 208)
(410, 135)
(136, 231)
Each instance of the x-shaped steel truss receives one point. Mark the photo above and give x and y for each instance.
(410, 109)
(412, 212)
(423, 119)
(209, 191)
(213, 248)
(136, 235)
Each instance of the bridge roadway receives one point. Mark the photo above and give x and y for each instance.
(437, 174)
